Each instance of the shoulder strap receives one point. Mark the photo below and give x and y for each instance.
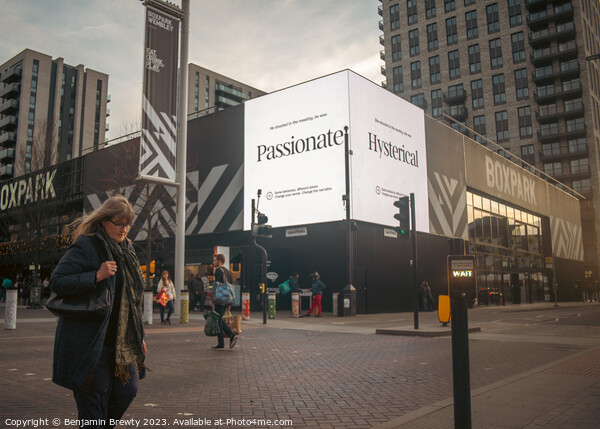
(100, 249)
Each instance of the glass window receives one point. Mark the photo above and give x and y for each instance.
(577, 145)
(477, 94)
(493, 22)
(582, 186)
(434, 70)
(521, 85)
(432, 37)
(514, 12)
(398, 80)
(553, 168)
(469, 2)
(579, 166)
(471, 24)
(430, 8)
(396, 48)
(525, 125)
(528, 154)
(449, 5)
(415, 75)
(517, 41)
(495, 53)
(474, 59)
(479, 127)
(498, 89)
(395, 17)
(551, 149)
(411, 11)
(451, 31)
(413, 42)
(436, 103)
(502, 126)
(454, 64)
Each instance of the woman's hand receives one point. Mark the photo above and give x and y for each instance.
(107, 269)
(144, 348)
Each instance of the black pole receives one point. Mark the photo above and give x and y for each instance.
(413, 227)
(348, 213)
(460, 361)
(263, 265)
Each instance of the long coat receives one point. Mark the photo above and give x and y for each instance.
(78, 343)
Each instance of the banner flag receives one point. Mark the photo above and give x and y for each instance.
(159, 102)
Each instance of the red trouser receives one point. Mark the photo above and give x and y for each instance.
(316, 305)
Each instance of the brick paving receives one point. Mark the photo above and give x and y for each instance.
(313, 378)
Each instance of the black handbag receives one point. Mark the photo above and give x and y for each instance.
(93, 305)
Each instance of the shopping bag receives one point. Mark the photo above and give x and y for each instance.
(162, 298)
(211, 327)
(285, 287)
(224, 294)
(234, 323)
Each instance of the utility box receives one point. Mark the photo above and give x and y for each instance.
(347, 302)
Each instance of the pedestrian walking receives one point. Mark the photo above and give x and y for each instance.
(166, 286)
(317, 292)
(222, 275)
(101, 360)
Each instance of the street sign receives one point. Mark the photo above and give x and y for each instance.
(272, 276)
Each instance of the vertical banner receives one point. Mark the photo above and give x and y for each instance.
(159, 101)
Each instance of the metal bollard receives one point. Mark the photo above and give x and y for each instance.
(245, 305)
(10, 311)
(272, 304)
(184, 307)
(335, 304)
(295, 304)
(148, 306)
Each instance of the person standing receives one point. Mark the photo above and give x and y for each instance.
(166, 286)
(317, 292)
(101, 360)
(426, 296)
(222, 275)
(191, 287)
(200, 290)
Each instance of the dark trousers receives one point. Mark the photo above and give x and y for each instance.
(106, 397)
(224, 327)
(170, 309)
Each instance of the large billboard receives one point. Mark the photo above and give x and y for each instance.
(294, 153)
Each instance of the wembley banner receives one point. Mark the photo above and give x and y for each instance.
(159, 101)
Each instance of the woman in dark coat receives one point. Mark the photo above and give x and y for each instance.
(101, 360)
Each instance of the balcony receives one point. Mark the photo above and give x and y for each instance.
(580, 152)
(384, 84)
(13, 75)
(573, 174)
(6, 171)
(552, 114)
(532, 4)
(382, 54)
(460, 113)
(550, 73)
(380, 10)
(455, 96)
(8, 139)
(383, 70)
(553, 93)
(381, 25)
(546, 35)
(543, 16)
(7, 154)
(11, 90)
(9, 107)
(8, 123)
(548, 135)
(382, 40)
(541, 56)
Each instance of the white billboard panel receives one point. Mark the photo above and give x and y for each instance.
(387, 136)
(294, 152)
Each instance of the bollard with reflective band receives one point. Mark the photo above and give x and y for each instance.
(184, 307)
(148, 306)
(272, 304)
(444, 309)
(335, 304)
(245, 305)
(10, 310)
(295, 304)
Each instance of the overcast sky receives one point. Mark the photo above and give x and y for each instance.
(268, 44)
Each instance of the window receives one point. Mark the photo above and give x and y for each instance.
(514, 12)
(418, 100)
(493, 22)
(577, 145)
(411, 11)
(449, 6)
(551, 149)
(579, 166)
(415, 75)
(430, 9)
(479, 127)
(471, 21)
(518, 47)
(549, 129)
(502, 126)
(396, 48)
(521, 84)
(477, 94)
(413, 42)
(582, 186)
(398, 80)
(395, 17)
(553, 168)
(436, 103)
(498, 89)
(451, 31)
(432, 37)
(474, 59)
(525, 127)
(434, 70)
(456, 91)
(453, 64)
(469, 2)
(576, 124)
(495, 53)
(528, 154)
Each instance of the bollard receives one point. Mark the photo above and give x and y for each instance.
(10, 311)
(272, 304)
(444, 309)
(335, 303)
(245, 305)
(148, 306)
(295, 304)
(184, 306)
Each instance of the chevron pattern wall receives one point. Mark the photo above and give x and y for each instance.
(447, 206)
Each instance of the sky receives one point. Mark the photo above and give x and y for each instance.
(267, 44)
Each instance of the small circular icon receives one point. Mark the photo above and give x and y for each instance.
(378, 190)
(269, 195)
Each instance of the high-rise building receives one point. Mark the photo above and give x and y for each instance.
(209, 92)
(49, 112)
(521, 73)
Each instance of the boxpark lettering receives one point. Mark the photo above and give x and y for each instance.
(28, 190)
(508, 180)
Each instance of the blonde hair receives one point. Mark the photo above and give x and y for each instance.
(115, 207)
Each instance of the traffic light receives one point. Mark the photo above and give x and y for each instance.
(403, 216)
(260, 228)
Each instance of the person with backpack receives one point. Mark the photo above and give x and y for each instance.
(222, 275)
(101, 359)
